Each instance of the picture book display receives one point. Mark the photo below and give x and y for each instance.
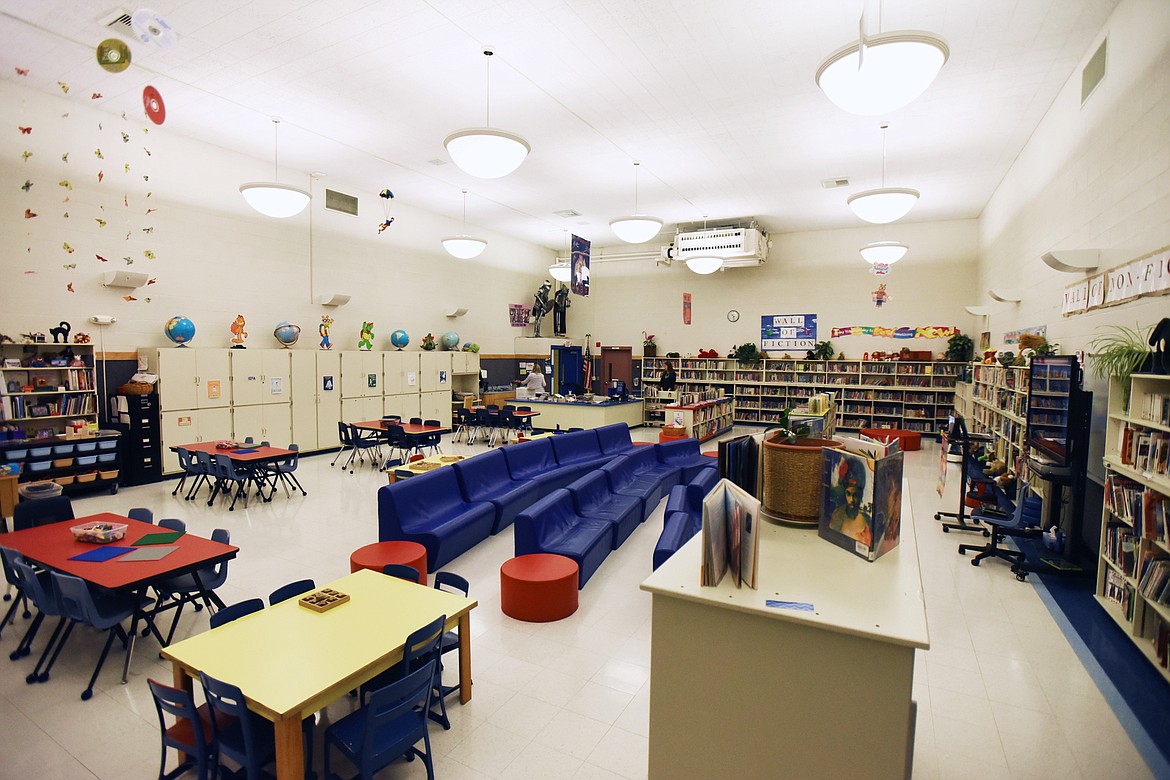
(730, 536)
(861, 496)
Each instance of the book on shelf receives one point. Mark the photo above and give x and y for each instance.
(861, 496)
(1154, 584)
(730, 536)
(1119, 592)
(1156, 408)
(740, 462)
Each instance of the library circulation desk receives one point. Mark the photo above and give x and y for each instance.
(747, 690)
(579, 414)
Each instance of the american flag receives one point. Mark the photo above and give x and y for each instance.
(587, 369)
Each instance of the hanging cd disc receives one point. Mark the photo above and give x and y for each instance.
(113, 55)
(152, 101)
(149, 27)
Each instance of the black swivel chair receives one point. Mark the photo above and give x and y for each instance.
(1023, 522)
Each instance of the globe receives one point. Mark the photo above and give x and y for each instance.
(179, 330)
(287, 333)
(450, 340)
(399, 338)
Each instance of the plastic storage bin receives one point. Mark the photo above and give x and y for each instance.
(108, 457)
(39, 465)
(41, 452)
(88, 476)
(62, 463)
(85, 446)
(34, 490)
(99, 533)
(107, 444)
(16, 455)
(111, 474)
(65, 480)
(86, 460)
(62, 449)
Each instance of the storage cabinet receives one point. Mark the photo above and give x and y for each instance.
(263, 422)
(75, 464)
(260, 376)
(361, 374)
(434, 371)
(190, 378)
(192, 425)
(400, 372)
(50, 388)
(435, 406)
(138, 418)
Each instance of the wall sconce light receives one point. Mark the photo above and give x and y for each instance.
(1005, 294)
(1071, 261)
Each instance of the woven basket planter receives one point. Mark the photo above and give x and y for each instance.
(792, 479)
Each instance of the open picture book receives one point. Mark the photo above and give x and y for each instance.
(730, 536)
(861, 496)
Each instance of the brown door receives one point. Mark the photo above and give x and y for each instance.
(617, 363)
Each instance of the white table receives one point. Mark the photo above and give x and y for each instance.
(740, 689)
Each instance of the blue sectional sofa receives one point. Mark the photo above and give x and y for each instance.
(685, 454)
(593, 498)
(615, 439)
(640, 474)
(552, 525)
(430, 510)
(485, 477)
(579, 449)
(684, 514)
(536, 461)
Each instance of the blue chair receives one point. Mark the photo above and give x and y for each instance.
(345, 436)
(247, 738)
(236, 611)
(485, 423)
(104, 611)
(401, 571)
(1023, 522)
(141, 514)
(285, 471)
(190, 734)
(204, 471)
(173, 524)
(421, 647)
(397, 443)
(360, 445)
(505, 421)
(465, 426)
(391, 724)
(35, 588)
(416, 421)
(41, 511)
(176, 592)
(188, 465)
(526, 421)
(451, 583)
(432, 440)
(8, 557)
(286, 592)
(228, 479)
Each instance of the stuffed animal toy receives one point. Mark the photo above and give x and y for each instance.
(1006, 482)
(1160, 341)
(995, 468)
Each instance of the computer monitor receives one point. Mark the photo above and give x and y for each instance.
(617, 389)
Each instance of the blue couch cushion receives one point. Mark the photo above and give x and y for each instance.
(685, 454)
(614, 439)
(579, 448)
(430, 510)
(593, 498)
(534, 460)
(677, 529)
(485, 477)
(551, 525)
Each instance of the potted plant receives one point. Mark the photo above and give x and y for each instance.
(822, 351)
(960, 348)
(1120, 352)
(748, 354)
(792, 472)
(649, 347)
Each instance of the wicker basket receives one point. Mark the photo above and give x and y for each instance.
(136, 388)
(792, 479)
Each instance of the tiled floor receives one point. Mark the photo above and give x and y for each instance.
(1000, 692)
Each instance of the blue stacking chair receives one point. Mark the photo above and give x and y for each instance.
(452, 583)
(286, 592)
(35, 588)
(247, 738)
(236, 611)
(204, 471)
(360, 445)
(1023, 522)
(188, 465)
(141, 514)
(432, 440)
(345, 436)
(190, 734)
(285, 471)
(402, 571)
(177, 592)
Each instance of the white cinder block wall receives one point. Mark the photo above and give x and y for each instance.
(1091, 177)
(216, 258)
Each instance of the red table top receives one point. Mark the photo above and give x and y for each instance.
(53, 545)
(407, 428)
(261, 453)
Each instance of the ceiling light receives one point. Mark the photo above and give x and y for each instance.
(271, 198)
(635, 228)
(883, 72)
(463, 246)
(888, 252)
(886, 204)
(704, 264)
(482, 151)
(561, 272)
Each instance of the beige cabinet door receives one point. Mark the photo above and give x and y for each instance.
(212, 379)
(328, 396)
(435, 371)
(405, 405)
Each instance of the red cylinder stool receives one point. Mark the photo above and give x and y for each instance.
(375, 556)
(538, 588)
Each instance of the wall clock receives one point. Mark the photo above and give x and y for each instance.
(733, 316)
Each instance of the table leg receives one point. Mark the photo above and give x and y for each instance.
(465, 659)
(290, 749)
(138, 596)
(184, 682)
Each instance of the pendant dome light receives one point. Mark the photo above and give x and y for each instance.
(560, 270)
(636, 228)
(463, 246)
(704, 264)
(484, 152)
(883, 72)
(888, 252)
(271, 198)
(886, 204)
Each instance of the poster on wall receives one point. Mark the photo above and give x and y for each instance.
(788, 331)
(1013, 336)
(686, 308)
(580, 262)
(904, 332)
(1145, 276)
(518, 314)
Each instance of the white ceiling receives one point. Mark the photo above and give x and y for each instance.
(717, 99)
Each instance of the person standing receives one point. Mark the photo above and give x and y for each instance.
(669, 379)
(534, 382)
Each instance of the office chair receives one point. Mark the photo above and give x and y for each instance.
(1023, 522)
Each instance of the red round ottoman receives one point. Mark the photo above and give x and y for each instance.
(538, 588)
(377, 555)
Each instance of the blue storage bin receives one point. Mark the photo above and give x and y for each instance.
(41, 452)
(85, 446)
(40, 465)
(62, 449)
(86, 460)
(16, 455)
(107, 457)
(107, 444)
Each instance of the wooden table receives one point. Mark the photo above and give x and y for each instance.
(258, 456)
(53, 545)
(290, 661)
(416, 467)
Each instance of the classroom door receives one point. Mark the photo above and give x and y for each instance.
(617, 363)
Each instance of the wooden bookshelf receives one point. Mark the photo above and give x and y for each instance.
(999, 406)
(1134, 561)
(41, 399)
(703, 419)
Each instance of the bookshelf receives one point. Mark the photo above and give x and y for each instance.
(908, 395)
(38, 401)
(1133, 570)
(701, 418)
(999, 406)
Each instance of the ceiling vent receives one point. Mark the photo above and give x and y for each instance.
(1093, 72)
(567, 213)
(118, 21)
(832, 184)
(739, 247)
(340, 202)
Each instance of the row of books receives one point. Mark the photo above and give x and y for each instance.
(1133, 502)
(1145, 450)
(1154, 584)
(1160, 636)
(1119, 592)
(24, 407)
(1156, 408)
(1121, 547)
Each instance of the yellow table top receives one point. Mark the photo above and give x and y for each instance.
(413, 468)
(288, 658)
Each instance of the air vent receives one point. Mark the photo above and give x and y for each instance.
(567, 213)
(339, 201)
(1093, 72)
(831, 184)
(117, 20)
(437, 161)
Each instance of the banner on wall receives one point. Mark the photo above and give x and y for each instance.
(1013, 336)
(686, 308)
(518, 314)
(788, 331)
(579, 283)
(1146, 276)
(905, 332)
